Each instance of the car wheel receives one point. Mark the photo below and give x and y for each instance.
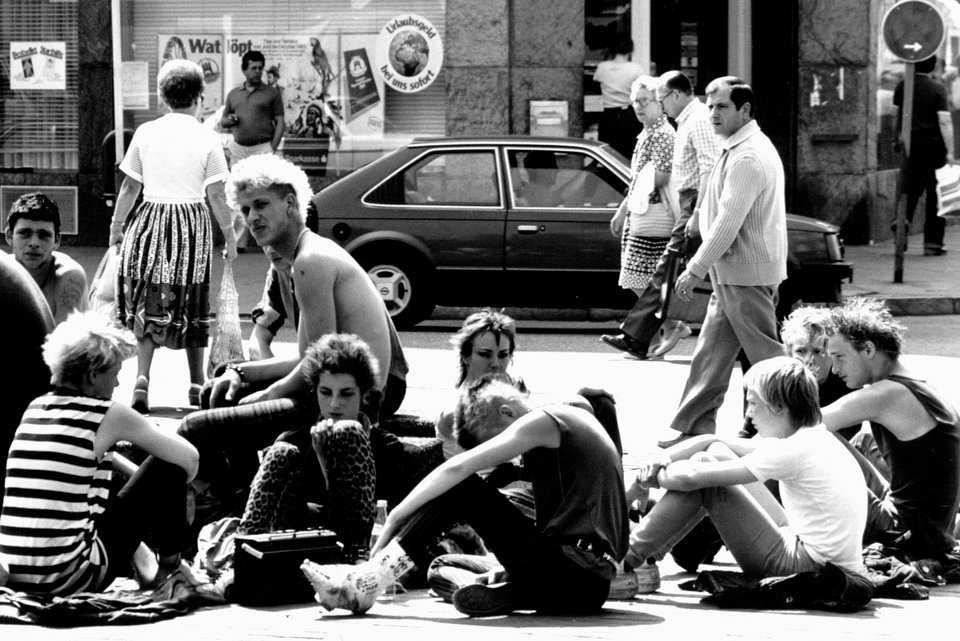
(403, 283)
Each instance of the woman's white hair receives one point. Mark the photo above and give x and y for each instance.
(85, 342)
(644, 82)
(268, 171)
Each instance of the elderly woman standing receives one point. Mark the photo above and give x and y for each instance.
(644, 221)
(164, 275)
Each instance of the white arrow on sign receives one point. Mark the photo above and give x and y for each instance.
(916, 46)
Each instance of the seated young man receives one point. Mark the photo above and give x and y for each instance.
(823, 512)
(915, 427)
(33, 232)
(561, 563)
(333, 292)
(804, 336)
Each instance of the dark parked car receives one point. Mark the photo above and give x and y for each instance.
(514, 220)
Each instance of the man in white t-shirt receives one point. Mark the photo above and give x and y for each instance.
(823, 515)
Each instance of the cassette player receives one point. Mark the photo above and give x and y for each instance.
(267, 566)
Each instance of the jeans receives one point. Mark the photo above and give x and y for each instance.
(551, 581)
(751, 523)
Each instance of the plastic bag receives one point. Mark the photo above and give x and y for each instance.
(103, 288)
(227, 345)
(948, 191)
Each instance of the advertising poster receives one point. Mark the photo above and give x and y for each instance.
(325, 106)
(409, 53)
(135, 83)
(205, 50)
(38, 65)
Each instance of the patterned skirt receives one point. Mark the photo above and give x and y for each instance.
(164, 276)
(638, 259)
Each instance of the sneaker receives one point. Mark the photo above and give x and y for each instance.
(490, 600)
(624, 585)
(626, 344)
(934, 251)
(670, 336)
(648, 577)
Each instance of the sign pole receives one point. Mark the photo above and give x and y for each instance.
(906, 127)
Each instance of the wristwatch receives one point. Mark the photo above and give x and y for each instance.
(238, 368)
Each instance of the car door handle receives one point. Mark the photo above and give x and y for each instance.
(530, 229)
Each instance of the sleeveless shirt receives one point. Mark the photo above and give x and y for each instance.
(56, 490)
(578, 491)
(925, 473)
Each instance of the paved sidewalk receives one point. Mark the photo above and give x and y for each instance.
(931, 284)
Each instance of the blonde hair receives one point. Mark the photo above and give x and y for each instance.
(267, 171)
(644, 82)
(477, 416)
(85, 342)
(784, 382)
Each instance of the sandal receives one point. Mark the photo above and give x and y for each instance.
(193, 395)
(140, 392)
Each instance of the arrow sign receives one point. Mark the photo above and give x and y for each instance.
(913, 30)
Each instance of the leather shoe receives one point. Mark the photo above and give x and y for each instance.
(626, 344)
(670, 336)
(934, 251)
(679, 438)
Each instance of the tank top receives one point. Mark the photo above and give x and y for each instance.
(925, 473)
(578, 491)
(55, 492)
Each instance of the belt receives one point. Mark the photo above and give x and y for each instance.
(253, 144)
(616, 108)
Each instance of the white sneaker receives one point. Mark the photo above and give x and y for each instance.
(648, 577)
(624, 586)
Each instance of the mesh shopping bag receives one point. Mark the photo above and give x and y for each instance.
(103, 288)
(227, 345)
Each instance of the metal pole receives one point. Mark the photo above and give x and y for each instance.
(906, 126)
(117, 87)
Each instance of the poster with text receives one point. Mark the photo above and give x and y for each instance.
(409, 53)
(38, 65)
(205, 50)
(315, 78)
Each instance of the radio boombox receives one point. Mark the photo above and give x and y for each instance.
(267, 566)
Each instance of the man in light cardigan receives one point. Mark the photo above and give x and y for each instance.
(742, 219)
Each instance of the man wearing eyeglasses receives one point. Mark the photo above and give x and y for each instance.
(696, 149)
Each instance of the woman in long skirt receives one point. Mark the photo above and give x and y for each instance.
(164, 275)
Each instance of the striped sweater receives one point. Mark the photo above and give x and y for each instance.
(743, 214)
(55, 493)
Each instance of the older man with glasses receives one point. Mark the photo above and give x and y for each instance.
(696, 149)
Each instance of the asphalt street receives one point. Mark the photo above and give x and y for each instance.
(557, 359)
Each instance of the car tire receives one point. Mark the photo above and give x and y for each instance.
(404, 283)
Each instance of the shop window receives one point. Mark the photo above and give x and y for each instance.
(38, 93)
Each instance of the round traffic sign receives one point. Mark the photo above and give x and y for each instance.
(913, 30)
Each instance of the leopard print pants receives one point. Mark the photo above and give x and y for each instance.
(277, 494)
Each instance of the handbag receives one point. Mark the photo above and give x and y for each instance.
(948, 191)
(102, 296)
(674, 307)
(227, 345)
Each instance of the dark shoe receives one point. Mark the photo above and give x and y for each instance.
(626, 344)
(193, 395)
(699, 546)
(935, 251)
(490, 600)
(141, 393)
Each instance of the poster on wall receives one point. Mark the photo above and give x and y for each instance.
(135, 83)
(38, 65)
(409, 53)
(205, 50)
(329, 101)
